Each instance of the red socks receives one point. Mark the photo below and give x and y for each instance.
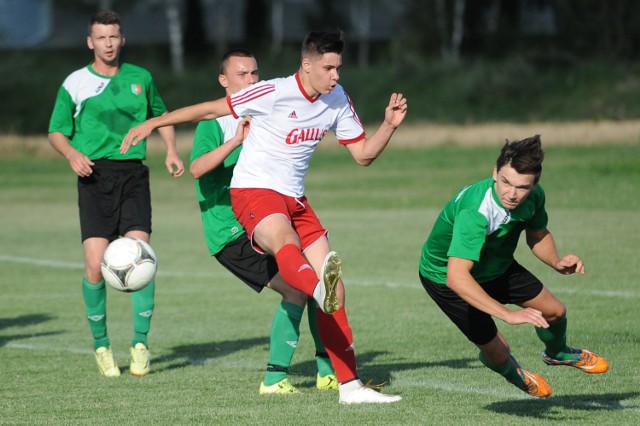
(295, 269)
(337, 338)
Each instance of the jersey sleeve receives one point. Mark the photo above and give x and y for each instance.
(348, 128)
(208, 136)
(62, 115)
(469, 234)
(156, 104)
(255, 100)
(540, 218)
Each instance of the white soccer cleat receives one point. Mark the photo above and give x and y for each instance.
(325, 292)
(357, 393)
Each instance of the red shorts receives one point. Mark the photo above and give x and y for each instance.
(251, 205)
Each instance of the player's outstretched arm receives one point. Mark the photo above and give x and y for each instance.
(460, 280)
(367, 150)
(543, 246)
(189, 114)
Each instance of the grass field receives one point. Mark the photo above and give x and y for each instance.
(209, 337)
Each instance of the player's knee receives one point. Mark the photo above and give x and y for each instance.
(556, 313)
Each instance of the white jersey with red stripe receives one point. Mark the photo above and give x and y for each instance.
(286, 127)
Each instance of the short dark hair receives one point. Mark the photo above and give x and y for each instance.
(105, 17)
(242, 53)
(524, 156)
(321, 42)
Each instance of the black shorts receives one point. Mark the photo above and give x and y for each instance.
(114, 199)
(516, 286)
(254, 269)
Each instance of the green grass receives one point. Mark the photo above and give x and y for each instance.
(209, 335)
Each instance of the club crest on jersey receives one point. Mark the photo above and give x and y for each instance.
(136, 89)
(300, 135)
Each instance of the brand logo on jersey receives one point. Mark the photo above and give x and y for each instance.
(136, 89)
(507, 216)
(300, 135)
(293, 115)
(100, 86)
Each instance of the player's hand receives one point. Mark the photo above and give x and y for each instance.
(80, 164)
(135, 135)
(570, 264)
(396, 110)
(526, 316)
(174, 164)
(243, 128)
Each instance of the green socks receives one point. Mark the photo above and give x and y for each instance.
(322, 358)
(95, 302)
(509, 370)
(555, 340)
(142, 303)
(285, 333)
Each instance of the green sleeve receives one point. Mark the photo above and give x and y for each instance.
(62, 115)
(540, 218)
(469, 234)
(208, 136)
(156, 104)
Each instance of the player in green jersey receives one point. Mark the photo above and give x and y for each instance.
(216, 147)
(94, 108)
(468, 268)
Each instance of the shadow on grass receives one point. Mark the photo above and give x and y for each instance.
(554, 407)
(23, 321)
(199, 354)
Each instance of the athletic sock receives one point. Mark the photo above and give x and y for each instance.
(295, 269)
(555, 340)
(285, 333)
(338, 341)
(322, 357)
(142, 304)
(95, 303)
(509, 370)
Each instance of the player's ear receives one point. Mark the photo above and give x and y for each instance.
(222, 79)
(123, 40)
(305, 64)
(89, 42)
(495, 173)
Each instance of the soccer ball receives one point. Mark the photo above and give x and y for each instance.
(129, 264)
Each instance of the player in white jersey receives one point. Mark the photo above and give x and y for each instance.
(216, 147)
(289, 118)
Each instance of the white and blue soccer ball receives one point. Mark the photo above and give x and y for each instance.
(129, 264)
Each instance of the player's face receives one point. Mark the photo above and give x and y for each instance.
(512, 188)
(323, 72)
(106, 42)
(239, 73)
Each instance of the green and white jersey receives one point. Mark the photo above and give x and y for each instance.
(475, 226)
(220, 224)
(95, 111)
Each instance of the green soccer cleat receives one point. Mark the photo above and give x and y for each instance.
(283, 387)
(106, 363)
(139, 360)
(328, 382)
(584, 360)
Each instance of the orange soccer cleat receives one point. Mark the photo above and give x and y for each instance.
(584, 360)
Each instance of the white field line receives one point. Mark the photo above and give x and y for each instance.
(357, 282)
